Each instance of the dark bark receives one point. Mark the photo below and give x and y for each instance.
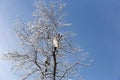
(36, 63)
(55, 63)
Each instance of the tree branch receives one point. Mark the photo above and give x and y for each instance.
(55, 64)
(68, 69)
(36, 63)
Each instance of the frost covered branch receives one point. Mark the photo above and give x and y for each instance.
(44, 46)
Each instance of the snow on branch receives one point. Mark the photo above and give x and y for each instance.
(46, 51)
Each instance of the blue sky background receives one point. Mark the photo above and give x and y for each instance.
(97, 23)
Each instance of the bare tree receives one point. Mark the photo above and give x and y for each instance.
(46, 49)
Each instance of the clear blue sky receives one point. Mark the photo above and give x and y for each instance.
(97, 23)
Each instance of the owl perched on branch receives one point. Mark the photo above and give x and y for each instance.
(55, 42)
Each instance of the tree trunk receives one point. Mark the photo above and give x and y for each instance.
(55, 64)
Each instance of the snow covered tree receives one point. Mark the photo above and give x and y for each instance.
(46, 50)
